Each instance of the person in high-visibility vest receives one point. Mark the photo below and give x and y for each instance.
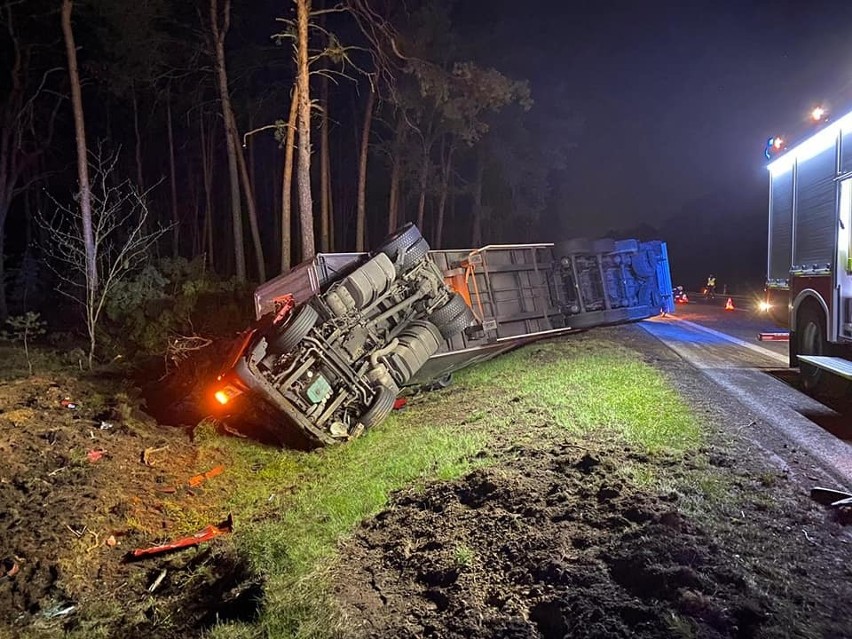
(710, 290)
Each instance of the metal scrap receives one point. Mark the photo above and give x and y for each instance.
(201, 536)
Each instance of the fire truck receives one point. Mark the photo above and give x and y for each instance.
(341, 335)
(809, 267)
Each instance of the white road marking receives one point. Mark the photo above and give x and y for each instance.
(772, 402)
(734, 340)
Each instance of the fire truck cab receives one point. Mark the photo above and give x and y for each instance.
(809, 270)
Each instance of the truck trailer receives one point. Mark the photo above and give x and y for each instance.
(809, 265)
(341, 335)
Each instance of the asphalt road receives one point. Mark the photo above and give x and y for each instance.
(723, 345)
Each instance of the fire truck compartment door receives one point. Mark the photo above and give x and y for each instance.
(843, 285)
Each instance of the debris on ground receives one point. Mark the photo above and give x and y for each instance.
(95, 455)
(148, 454)
(831, 497)
(197, 480)
(201, 536)
(158, 581)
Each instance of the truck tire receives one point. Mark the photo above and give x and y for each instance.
(380, 408)
(294, 332)
(810, 338)
(573, 247)
(415, 253)
(457, 324)
(403, 239)
(448, 312)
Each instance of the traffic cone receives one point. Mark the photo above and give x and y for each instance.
(729, 305)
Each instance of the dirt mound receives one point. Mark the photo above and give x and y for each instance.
(550, 545)
(76, 495)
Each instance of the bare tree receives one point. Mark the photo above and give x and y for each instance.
(325, 169)
(219, 32)
(303, 173)
(119, 219)
(287, 186)
(361, 222)
(89, 246)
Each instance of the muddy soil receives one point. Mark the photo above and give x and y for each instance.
(554, 544)
(76, 496)
(557, 542)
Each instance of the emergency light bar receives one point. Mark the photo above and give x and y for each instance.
(818, 142)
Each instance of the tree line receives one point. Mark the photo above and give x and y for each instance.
(257, 133)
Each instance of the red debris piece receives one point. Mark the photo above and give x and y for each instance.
(210, 474)
(283, 305)
(95, 455)
(399, 402)
(201, 536)
(67, 403)
(773, 337)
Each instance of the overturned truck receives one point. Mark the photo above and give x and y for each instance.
(339, 336)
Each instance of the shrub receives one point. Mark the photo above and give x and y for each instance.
(172, 298)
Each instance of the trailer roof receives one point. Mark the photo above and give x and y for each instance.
(818, 142)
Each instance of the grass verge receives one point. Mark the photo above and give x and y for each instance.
(296, 506)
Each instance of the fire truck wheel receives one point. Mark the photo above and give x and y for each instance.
(380, 408)
(449, 311)
(810, 334)
(403, 239)
(295, 331)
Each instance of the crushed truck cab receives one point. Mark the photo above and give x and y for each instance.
(340, 335)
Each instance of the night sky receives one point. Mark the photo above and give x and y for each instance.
(677, 98)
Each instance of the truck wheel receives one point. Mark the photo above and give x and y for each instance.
(449, 311)
(444, 381)
(404, 239)
(810, 336)
(457, 324)
(415, 253)
(380, 408)
(289, 338)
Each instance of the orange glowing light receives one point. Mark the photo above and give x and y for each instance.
(222, 397)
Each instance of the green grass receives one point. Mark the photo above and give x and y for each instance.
(292, 509)
(595, 387)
